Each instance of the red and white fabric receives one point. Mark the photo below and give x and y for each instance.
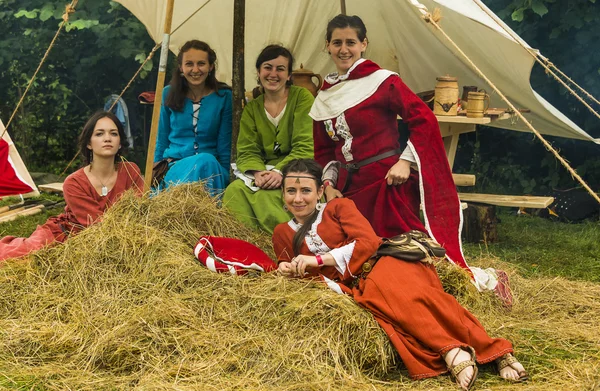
(355, 118)
(11, 182)
(230, 255)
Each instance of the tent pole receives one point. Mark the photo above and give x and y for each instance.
(160, 83)
(343, 6)
(239, 13)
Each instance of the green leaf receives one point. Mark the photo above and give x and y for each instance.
(81, 24)
(517, 15)
(47, 12)
(148, 66)
(538, 7)
(140, 57)
(28, 14)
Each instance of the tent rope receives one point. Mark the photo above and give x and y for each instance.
(546, 64)
(148, 58)
(590, 96)
(429, 18)
(70, 8)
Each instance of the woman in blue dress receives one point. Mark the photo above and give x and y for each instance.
(194, 132)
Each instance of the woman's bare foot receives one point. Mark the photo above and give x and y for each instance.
(462, 367)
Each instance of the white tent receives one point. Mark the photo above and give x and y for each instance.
(399, 40)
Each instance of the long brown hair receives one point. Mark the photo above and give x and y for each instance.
(312, 168)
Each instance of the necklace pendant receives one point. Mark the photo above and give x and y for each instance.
(104, 191)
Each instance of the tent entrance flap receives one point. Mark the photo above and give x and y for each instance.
(15, 179)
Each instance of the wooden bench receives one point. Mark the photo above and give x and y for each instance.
(507, 200)
(464, 179)
(52, 187)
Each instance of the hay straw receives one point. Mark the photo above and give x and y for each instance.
(124, 305)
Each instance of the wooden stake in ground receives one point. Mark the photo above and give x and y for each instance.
(160, 83)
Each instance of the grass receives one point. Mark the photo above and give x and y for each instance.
(24, 226)
(540, 247)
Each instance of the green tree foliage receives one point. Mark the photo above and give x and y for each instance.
(567, 33)
(96, 54)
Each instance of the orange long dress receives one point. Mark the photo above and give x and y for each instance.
(407, 299)
(84, 206)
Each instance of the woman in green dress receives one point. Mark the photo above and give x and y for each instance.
(275, 128)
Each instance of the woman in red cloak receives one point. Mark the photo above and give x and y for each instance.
(357, 141)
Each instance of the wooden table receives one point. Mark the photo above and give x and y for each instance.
(451, 127)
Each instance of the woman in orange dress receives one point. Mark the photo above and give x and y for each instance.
(88, 191)
(430, 330)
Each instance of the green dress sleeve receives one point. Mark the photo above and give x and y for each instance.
(250, 155)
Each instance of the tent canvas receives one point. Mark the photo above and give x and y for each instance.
(15, 179)
(399, 40)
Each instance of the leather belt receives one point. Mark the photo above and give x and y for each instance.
(354, 167)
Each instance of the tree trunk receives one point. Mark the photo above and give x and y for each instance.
(479, 224)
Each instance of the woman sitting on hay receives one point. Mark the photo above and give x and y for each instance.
(275, 128)
(430, 330)
(88, 191)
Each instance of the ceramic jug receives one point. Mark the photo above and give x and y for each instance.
(304, 78)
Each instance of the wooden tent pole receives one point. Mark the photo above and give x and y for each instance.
(239, 13)
(343, 7)
(160, 83)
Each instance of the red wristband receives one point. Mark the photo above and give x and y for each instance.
(327, 183)
(319, 260)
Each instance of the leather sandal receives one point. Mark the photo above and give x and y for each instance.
(458, 368)
(507, 361)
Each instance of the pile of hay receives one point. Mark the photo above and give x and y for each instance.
(125, 305)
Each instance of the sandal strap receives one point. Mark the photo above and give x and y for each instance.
(458, 368)
(506, 361)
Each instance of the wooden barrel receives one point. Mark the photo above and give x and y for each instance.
(446, 96)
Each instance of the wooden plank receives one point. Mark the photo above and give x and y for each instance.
(21, 212)
(56, 187)
(464, 179)
(507, 200)
(450, 129)
(459, 119)
(451, 145)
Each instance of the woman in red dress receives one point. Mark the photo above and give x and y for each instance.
(430, 330)
(356, 140)
(88, 191)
